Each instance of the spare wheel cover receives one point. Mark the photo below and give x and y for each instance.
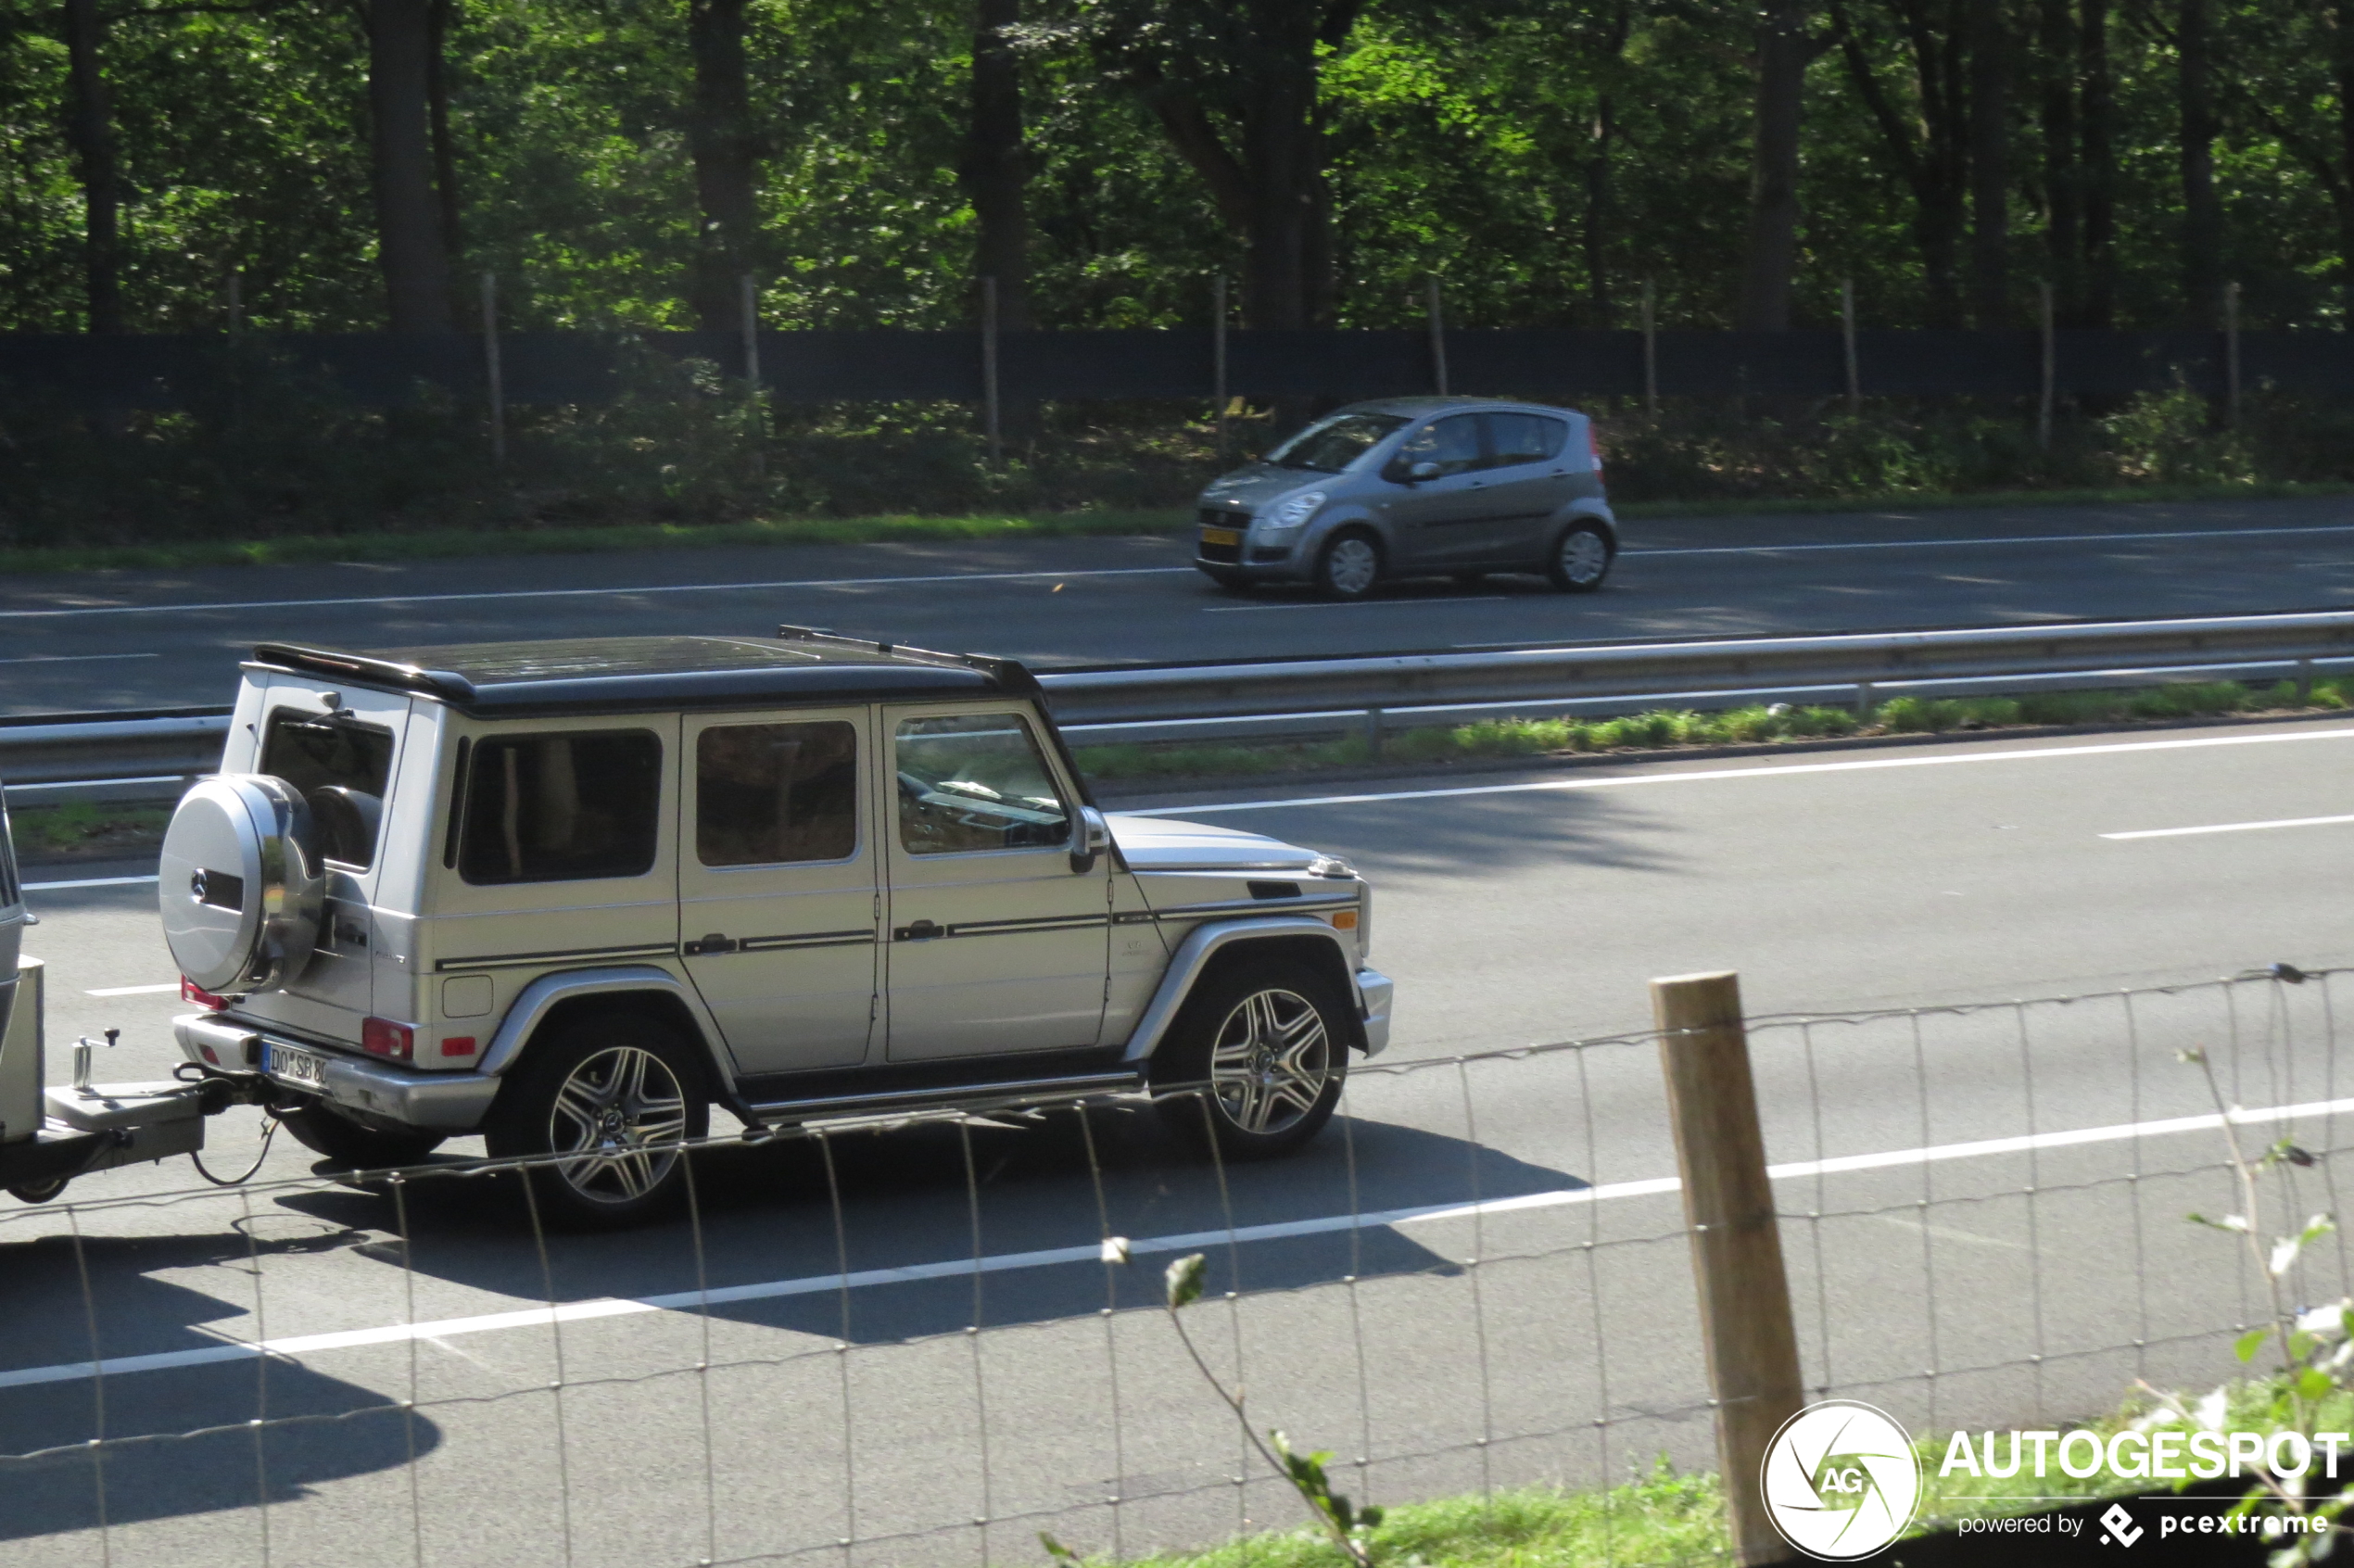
(238, 885)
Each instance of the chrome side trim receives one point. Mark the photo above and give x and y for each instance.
(520, 960)
(533, 1004)
(1193, 955)
(1268, 905)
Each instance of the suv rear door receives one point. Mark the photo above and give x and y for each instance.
(776, 884)
(996, 944)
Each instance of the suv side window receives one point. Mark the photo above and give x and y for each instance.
(1452, 443)
(558, 808)
(339, 768)
(769, 794)
(976, 781)
(1519, 438)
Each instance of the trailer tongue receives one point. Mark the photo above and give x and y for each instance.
(49, 1136)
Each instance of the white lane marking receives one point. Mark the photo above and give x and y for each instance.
(580, 593)
(1357, 603)
(2231, 827)
(88, 882)
(2021, 540)
(1628, 780)
(76, 658)
(690, 1300)
(134, 989)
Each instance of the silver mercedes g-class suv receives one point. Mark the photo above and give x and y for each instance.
(571, 894)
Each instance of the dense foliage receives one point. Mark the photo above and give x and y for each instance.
(1545, 157)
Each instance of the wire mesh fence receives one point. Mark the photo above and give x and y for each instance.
(910, 1344)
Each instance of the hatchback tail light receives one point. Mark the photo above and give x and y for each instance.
(1593, 445)
(191, 991)
(382, 1037)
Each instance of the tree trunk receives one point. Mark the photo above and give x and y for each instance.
(1599, 223)
(445, 157)
(996, 166)
(2099, 168)
(1989, 160)
(2063, 194)
(1771, 253)
(409, 243)
(2202, 213)
(2342, 67)
(89, 127)
(1280, 153)
(727, 156)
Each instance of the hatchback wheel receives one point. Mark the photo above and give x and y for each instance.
(607, 1105)
(1581, 558)
(1255, 1061)
(1349, 566)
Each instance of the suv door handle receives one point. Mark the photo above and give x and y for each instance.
(715, 942)
(919, 930)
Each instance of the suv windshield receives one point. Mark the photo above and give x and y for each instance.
(1332, 445)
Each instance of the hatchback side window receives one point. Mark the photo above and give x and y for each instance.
(770, 794)
(340, 769)
(1519, 438)
(976, 781)
(558, 808)
(1452, 443)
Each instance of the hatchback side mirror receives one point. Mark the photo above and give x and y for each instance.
(1090, 836)
(1421, 471)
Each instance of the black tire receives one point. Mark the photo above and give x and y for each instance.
(622, 1091)
(39, 1191)
(1228, 582)
(1580, 557)
(1349, 566)
(1469, 579)
(1216, 1074)
(322, 1129)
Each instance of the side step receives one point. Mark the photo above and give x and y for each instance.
(992, 1094)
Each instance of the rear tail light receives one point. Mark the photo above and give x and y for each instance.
(191, 991)
(1593, 445)
(382, 1037)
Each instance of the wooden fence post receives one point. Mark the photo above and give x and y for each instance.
(1651, 349)
(1737, 1247)
(989, 415)
(2049, 388)
(1218, 359)
(1847, 343)
(1437, 340)
(492, 371)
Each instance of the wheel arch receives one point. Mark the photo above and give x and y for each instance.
(1601, 522)
(1211, 947)
(548, 1003)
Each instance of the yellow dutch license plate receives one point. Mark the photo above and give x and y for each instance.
(1220, 537)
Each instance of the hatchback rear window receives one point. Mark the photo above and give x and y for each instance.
(560, 808)
(1520, 437)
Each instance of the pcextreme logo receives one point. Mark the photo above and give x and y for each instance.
(1841, 1480)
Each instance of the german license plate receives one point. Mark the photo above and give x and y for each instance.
(295, 1066)
(1221, 535)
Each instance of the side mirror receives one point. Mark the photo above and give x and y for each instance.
(1421, 471)
(1090, 837)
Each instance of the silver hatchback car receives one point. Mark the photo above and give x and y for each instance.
(1415, 487)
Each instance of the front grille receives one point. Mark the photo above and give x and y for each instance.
(1220, 517)
(1226, 553)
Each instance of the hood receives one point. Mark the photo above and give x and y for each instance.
(1259, 483)
(1155, 843)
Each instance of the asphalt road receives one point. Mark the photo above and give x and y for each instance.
(128, 639)
(2037, 1282)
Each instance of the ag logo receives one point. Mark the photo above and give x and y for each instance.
(1841, 1480)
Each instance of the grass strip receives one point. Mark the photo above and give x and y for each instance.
(1666, 731)
(437, 544)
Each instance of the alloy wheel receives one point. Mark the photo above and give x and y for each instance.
(1270, 1061)
(616, 1124)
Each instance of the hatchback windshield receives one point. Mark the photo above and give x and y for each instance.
(1332, 444)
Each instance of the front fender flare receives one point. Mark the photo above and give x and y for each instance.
(543, 996)
(1206, 942)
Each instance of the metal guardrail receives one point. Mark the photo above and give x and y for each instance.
(49, 755)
